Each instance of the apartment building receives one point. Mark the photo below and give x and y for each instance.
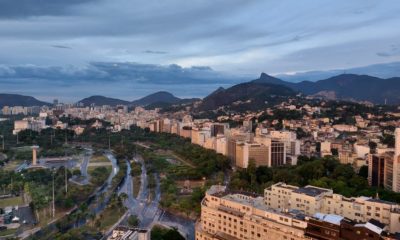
(233, 216)
(277, 154)
(245, 152)
(384, 167)
(227, 215)
(380, 170)
(325, 149)
(29, 123)
(312, 200)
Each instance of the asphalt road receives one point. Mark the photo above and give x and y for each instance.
(149, 213)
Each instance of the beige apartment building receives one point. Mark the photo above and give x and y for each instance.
(312, 200)
(233, 216)
(245, 152)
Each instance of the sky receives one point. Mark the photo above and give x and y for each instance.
(70, 49)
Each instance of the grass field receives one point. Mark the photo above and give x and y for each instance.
(109, 217)
(12, 165)
(91, 168)
(45, 216)
(136, 185)
(7, 232)
(14, 201)
(99, 158)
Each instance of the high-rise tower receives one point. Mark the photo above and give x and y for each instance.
(396, 164)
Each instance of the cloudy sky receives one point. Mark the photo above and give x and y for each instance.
(69, 49)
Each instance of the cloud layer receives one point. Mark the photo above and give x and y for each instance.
(119, 79)
(62, 41)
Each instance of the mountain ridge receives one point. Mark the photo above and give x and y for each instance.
(252, 94)
(157, 97)
(347, 87)
(12, 100)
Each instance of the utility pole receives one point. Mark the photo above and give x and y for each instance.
(54, 206)
(2, 139)
(66, 180)
(109, 142)
(17, 138)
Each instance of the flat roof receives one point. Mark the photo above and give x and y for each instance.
(311, 191)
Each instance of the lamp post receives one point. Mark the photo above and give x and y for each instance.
(53, 202)
(2, 141)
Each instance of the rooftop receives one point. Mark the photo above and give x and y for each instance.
(311, 191)
(331, 218)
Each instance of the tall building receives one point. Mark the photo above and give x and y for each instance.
(277, 154)
(227, 215)
(248, 125)
(246, 152)
(376, 170)
(325, 148)
(388, 175)
(311, 200)
(396, 163)
(218, 129)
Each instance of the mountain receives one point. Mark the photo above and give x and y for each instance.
(101, 100)
(158, 97)
(381, 70)
(19, 100)
(347, 87)
(251, 95)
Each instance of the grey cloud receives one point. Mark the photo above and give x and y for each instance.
(383, 54)
(394, 51)
(154, 52)
(116, 72)
(27, 8)
(61, 46)
(115, 79)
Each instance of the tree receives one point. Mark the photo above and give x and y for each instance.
(133, 221)
(173, 234)
(252, 172)
(363, 172)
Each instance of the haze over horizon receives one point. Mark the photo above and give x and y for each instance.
(149, 48)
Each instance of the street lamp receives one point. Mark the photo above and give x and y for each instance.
(53, 195)
(2, 139)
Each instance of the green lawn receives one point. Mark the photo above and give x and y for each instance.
(136, 185)
(99, 158)
(109, 217)
(12, 165)
(14, 201)
(92, 168)
(8, 232)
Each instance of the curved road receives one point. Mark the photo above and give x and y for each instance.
(149, 213)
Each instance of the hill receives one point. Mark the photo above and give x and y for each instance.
(250, 95)
(19, 100)
(347, 87)
(101, 100)
(158, 97)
